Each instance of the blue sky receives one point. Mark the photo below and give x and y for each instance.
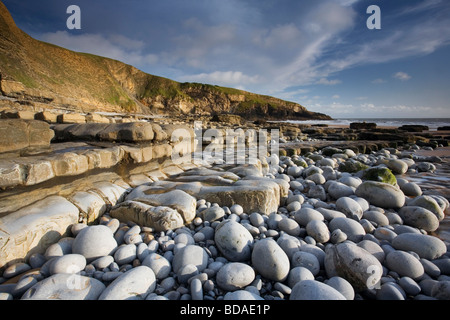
(318, 53)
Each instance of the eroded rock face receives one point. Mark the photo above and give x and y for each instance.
(17, 134)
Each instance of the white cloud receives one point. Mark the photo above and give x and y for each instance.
(328, 82)
(116, 47)
(378, 81)
(403, 76)
(336, 96)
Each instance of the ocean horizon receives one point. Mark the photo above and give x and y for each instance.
(432, 123)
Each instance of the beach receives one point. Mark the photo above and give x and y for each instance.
(281, 226)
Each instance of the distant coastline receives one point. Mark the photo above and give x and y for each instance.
(432, 123)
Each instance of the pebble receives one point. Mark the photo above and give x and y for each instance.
(62, 247)
(270, 260)
(234, 276)
(305, 215)
(343, 286)
(159, 264)
(242, 295)
(306, 260)
(410, 286)
(233, 240)
(352, 228)
(290, 226)
(63, 286)
(340, 261)
(190, 254)
(337, 236)
(314, 290)
(94, 242)
(186, 272)
(318, 230)
(69, 263)
(15, 269)
(102, 262)
(381, 194)
(419, 217)
(349, 207)
(134, 284)
(405, 264)
(196, 290)
(426, 246)
(388, 291)
(338, 190)
(237, 209)
(125, 254)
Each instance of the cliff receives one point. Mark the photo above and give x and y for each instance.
(33, 71)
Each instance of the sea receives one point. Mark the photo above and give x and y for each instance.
(432, 123)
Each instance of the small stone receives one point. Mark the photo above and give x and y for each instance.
(16, 269)
(23, 285)
(187, 272)
(349, 207)
(234, 276)
(441, 290)
(293, 206)
(290, 226)
(389, 291)
(343, 286)
(381, 194)
(213, 213)
(419, 217)
(70, 263)
(306, 260)
(236, 209)
(405, 264)
(94, 242)
(102, 262)
(190, 254)
(125, 254)
(350, 227)
(134, 284)
(160, 265)
(426, 246)
(338, 236)
(63, 286)
(242, 295)
(196, 290)
(305, 215)
(233, 240)
(318, 230)
(410, 286)
(62, 247)
(37, 260)
(314, 290)
(354, 264)
(338, 190)
(270, 260)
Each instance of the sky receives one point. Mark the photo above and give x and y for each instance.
(319, 53)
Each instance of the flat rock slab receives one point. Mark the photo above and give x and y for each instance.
(17, 134)
(117, 132)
